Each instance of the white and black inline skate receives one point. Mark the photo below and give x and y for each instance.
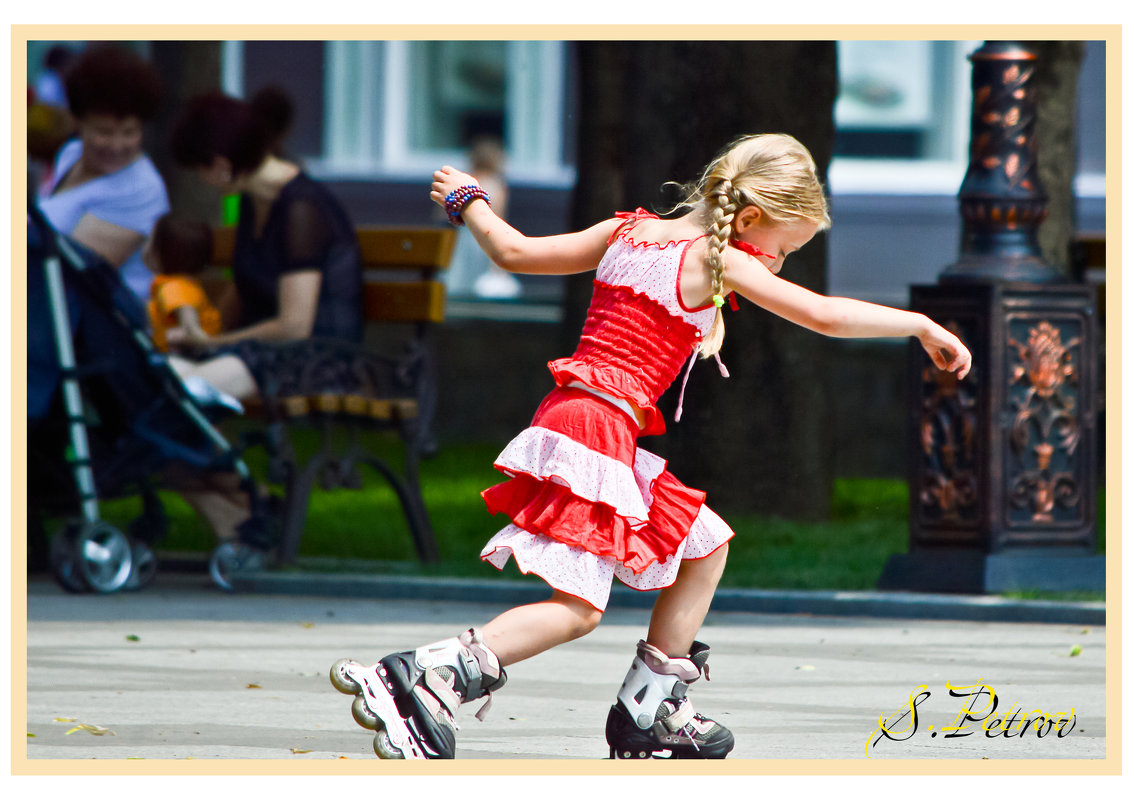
(653, 715)
(410, 699)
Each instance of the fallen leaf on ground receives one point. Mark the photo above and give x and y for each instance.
(92, 729)
(253, 687)
(301, 750)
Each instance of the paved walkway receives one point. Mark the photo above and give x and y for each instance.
(183, 671)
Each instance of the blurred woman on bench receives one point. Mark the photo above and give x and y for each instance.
(297, 272)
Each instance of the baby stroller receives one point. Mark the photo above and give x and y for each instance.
(107, 417)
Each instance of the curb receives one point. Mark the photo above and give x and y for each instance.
(922, 606)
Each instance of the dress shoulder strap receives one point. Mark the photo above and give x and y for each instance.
(630, 218)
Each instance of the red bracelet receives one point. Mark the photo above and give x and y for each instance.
(458, 199)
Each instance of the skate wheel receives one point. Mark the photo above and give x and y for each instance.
(341, 681)
(384, 748)
(104, 556)
(230, 558)
(144, 567)
(362, 714)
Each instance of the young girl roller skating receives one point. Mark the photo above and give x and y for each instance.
(586, 503)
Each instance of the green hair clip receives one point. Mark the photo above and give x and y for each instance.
(718, 300)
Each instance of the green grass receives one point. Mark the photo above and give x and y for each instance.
(847, 552)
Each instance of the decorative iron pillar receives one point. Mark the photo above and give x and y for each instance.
(1002, 200)
(1002, 471)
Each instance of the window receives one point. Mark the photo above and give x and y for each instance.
(400, 107)
(902, 101)
(910, 101)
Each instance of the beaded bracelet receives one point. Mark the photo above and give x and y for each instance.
(458, 199)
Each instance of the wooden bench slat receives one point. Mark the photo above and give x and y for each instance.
(393, 248)
(404, 301)
(381, 248)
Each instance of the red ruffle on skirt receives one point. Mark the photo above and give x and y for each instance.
(552, 468)
(549, 508)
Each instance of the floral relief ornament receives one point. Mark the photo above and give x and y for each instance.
(1045, 367)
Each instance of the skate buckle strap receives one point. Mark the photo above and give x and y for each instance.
(685, 715)
(485, 666)
(482, 713)
(442, 691)
(680, 718)
(680, 721)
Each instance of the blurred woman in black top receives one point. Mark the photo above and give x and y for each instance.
(296, 268)
(297, 271)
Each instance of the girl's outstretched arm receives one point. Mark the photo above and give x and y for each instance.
(550, 255)
(843, 317)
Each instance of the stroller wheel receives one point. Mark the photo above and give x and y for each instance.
(230, 558)
(104, 556)
(65, 562)
(144, 566)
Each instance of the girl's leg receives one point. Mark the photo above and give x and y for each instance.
(652, 714)
(681, 607)
(525, 631)
(414, 695)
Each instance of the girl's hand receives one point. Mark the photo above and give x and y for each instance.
(946, 350)
(445, 180)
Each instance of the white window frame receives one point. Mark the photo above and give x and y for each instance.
(232, 68)
(860, 176)
(370, 138)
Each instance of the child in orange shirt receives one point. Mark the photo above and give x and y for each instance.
(177, 250)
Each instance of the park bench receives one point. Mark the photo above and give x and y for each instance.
(390, 385)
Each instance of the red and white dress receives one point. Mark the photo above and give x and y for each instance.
(586, 503)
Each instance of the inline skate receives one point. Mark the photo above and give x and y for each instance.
(653, 714)
(410, 699)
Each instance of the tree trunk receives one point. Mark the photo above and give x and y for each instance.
(187, 68)
(657, 111)
(1057, 88)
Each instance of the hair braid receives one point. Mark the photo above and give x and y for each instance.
(720, 229)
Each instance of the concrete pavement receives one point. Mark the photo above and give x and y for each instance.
(182, 671)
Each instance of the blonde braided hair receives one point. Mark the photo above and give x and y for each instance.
(723, 211)
(773, 172)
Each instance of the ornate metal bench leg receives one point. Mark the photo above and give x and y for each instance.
(295, 508)
(409, 495)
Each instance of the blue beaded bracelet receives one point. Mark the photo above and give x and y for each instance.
(458, 199)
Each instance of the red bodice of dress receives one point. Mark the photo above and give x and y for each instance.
(632, 348)
(638, 333)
